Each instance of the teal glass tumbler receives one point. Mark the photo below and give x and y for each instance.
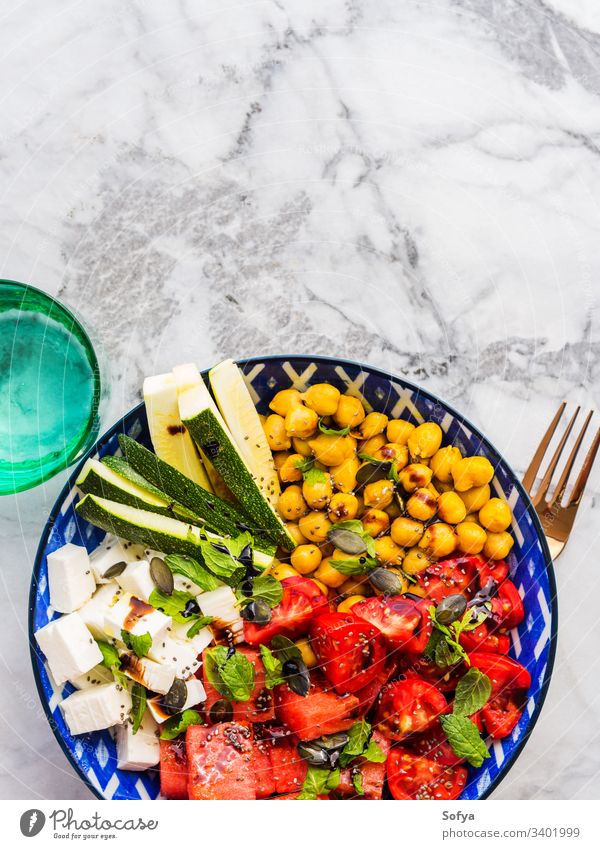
(49, 387)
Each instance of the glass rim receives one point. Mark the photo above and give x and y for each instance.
(90, 429)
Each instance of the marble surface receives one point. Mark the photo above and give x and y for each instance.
(412, 184)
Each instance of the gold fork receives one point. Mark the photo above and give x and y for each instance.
(557, 519)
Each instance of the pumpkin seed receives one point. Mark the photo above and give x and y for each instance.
(348, 541)
(162, 575)
(220, 711)
(385, 581)
(174, 700)
(115, 570)
(450, 609)
(314, 754)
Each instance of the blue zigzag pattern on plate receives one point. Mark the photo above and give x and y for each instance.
(94, 755)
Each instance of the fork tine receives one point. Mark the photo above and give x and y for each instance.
(541, 493)
(585, 471)
(530, 474)
(562, 484)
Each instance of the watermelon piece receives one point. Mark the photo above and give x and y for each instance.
(263, 770)
(320, 712)
(289, 769)
(372, 775)
(259, 708)
(173, 769)
(220, 763)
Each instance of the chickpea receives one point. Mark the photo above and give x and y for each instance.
(342, 506)
(432, 489)
(373, 425)
(475, 498)
(439, 540)
(344, 475)
(301, 422)
(415, 476)
(284, 401)
(425, 440)
(375, 522)
(348, 603)
(329, 575)
(498, 545)
(332, 450)
(279, 458)
(398, 430)
(291, 504)
(288, 470)
(281, 571)
(470, 472)
(388, 552)
(422, 505)
(379, 494)
(294, 531)
(451, 508)
(317, 491)
(275, 432)
(471, 537)
(495, 516)
(308, 655)
(314, 526)
(306, 558)
(371, 446)
(301, 447)
(406, 532)
(442, 463)
(415, 560)
(393, 453)
(350, 412)
(322, 398)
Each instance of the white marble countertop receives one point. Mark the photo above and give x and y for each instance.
(412, 184)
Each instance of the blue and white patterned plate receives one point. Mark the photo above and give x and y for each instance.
(533, 643)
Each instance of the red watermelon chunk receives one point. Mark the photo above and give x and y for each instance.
(173, 769)
(220, 761)
(372, 775)
(263, 770)
(259, 708)
(289, 769)
(320, 712)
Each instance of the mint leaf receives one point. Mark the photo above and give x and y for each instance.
(464, 738)
(305, 464)
(264, 587)
(273, 668)
(110, 655)
(355, 565)
(319, 782)
(220, 555)
(172, 605)
(331, 431)
(140, 645)
(231, 675)
(446, 654)
(357, 781)
(472, 692)
(176, 725)
(181, 564)
(374, 753)
(358, 738)
(314, 476)
(200, 623)
(138, 705)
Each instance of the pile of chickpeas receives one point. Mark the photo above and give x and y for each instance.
(446, 506)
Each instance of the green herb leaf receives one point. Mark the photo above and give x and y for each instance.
(200, 623)
(374, 753)
(305, 464)
(173, 605)
(319, 782)
(233, 676)
(285, 649)
(139, 645)
(355, 565)
(138, 705)
(432, 644)
(472, 692)
(264, 587)
(368, 458)
(357, 781)
(273, 668)
(181, 564)
(110, 655)
(447, 654)
(448, 650)
(176, 725)
(225, 564)
(331, 431)
(464, 738)
(358, 738)
(314, 476)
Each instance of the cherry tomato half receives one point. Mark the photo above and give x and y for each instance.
(351, 651)
(409, 707)
(413, 777)
(396, 617)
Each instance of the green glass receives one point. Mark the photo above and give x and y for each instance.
(49, 388)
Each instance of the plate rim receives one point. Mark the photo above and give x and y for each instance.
(388, 375)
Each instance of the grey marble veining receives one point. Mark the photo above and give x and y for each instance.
(411, 184)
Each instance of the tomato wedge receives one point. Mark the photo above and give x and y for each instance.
(396, 617)
(510, 682)
(418, 642)
(413, 777)
(302, 599)
(480, 639)
(415, 666)
(409, 707)
(502, 712)
(446, 577)
(504, 672)
(433, 744)
(495, 570)
(507, 606)
(351, 651)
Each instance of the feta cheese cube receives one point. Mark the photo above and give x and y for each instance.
(184, 585)
(139, 751)
(221, 604)
(96, 708)
(96, 676)
(96, 609)
(69, 647)
(111, 551)
(157, 677)
(133, 615)
(195, 695)
(136, 579)
(70, 577)
(179, 654)
(203, 638)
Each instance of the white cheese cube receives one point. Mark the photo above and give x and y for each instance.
(111, 551)
(184, 585)
(221, 605)
(133, 615)
(136, 579)
(157, 677)
(96, 676)
(96, 609)
(203, 638)
(96, 708)
(179, 654)
(70, 577)
(139, 751)
(195, 695)
(69, 647)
